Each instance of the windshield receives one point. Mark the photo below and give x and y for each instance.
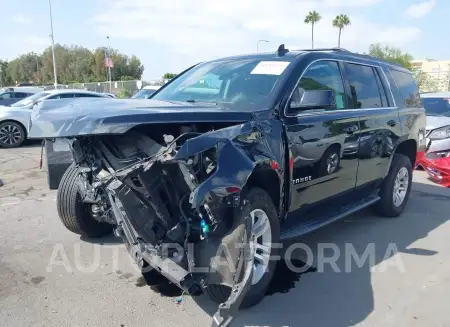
(30, 99)
(437, 106)
(143, 94)
(234, 83)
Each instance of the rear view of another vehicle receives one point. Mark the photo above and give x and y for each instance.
(436, 160)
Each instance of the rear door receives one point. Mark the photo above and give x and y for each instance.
(380, 126)
(319, 138)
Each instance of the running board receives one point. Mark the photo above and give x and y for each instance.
(291, 229)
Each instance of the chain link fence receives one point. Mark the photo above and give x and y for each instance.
(432, 81)
(127, 88)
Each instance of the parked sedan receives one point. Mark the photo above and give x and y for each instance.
(10, 95)
(437, 108)
(15, 118)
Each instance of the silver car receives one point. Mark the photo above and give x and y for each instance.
(14, 119)
(437, 107)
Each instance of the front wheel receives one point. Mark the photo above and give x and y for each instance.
(266, 229)
(12, 134)
(73, 212)
(396, 187)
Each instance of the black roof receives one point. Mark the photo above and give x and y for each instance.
(334, 53)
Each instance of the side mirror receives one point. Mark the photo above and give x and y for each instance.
(315, 99)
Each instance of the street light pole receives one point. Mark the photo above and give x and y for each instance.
(257, 44)
(109, 64)
(53, 44)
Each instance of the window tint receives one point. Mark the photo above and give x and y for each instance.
(62, 96)
(8, 95)
(86, 95)
(364, 87)
(21, 95)
(408, 88)
(437, 106)
(322, 75)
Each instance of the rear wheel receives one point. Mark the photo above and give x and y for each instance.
(12, 134)
(73, 212)
(396, 187)
(266, 229)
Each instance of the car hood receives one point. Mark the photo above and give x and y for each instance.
(113, 116)
(434, 122)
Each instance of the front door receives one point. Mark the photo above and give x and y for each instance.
(323, 142)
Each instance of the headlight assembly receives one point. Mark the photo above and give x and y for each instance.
(440, 133)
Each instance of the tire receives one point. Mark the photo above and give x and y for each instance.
(19, 134)
(256, 198)
(74, 214)
(323, 164)
(386, 206)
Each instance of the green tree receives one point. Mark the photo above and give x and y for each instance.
(5, 77)
(74, 64)
(391, 54)
(312, 18)
(169, 76)
(340, 22)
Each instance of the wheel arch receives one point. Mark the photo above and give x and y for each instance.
(409, 149)
(17, 122)
(267, 179)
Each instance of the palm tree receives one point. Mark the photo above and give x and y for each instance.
(312, 18)
(340, 22)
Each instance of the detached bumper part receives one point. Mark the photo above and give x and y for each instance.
(228, 309)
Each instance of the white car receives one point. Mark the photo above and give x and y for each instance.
(14, 118)
(146, 92)
(437, 108)
(10, 95)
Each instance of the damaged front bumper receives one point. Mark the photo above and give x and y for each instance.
(240, 149)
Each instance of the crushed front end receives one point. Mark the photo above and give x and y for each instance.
(174, 200)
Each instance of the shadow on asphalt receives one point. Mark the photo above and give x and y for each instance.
(326, 297)
(329, 298)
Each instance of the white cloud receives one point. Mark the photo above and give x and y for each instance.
(21, 19)
(419, 10)
(203, 29)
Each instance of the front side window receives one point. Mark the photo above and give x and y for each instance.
(322, 75)
(243, 83)
(408, 89)
(143, 94)
(86, 95)
(364, 87)
(63, 96)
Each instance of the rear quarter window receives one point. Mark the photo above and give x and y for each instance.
(408, 88)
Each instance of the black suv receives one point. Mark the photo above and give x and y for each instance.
(248, 150)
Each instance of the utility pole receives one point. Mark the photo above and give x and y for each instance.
(53, 44)
(109, 64)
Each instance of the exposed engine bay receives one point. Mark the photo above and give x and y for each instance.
(172, 193)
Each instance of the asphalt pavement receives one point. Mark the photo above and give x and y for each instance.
(52, 277)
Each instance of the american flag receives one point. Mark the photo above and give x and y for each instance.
(108, 61)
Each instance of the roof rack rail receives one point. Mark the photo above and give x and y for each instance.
(325, 49)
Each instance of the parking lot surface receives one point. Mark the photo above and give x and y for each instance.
(51, 277)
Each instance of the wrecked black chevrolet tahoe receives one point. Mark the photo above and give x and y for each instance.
(235, 155)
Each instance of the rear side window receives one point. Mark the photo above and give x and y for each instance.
(408, 88)
(365, 87)
(4, 96)
(21, 95)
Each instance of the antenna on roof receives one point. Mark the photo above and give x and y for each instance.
(282, 50)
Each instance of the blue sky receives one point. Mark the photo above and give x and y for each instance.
(170, 35)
